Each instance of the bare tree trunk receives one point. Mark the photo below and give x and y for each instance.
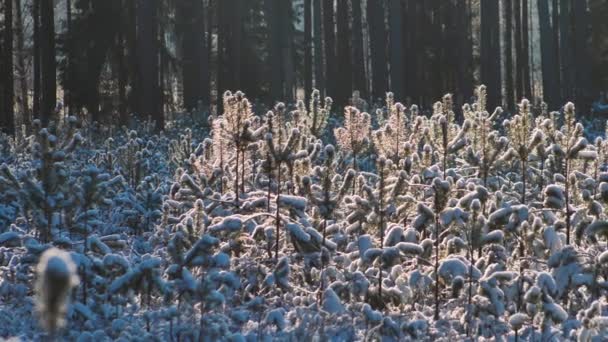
(359, 80)
(21, 66)
(318, 42)
(48, 61)
(490, 51)
(550, 69)
(344, 54)
(36, 57)
(273, 13)
(519, 89)
(508, 55)
(67, 98)
(556, 51)
(148, 61)
(190, 29)
(565, 49)
(307, 49)
(377, 37)
(396, 53)
(7, 117)
(122, 73)
(527, 87)
(330, 48)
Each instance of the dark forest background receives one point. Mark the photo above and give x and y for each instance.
(102, 60)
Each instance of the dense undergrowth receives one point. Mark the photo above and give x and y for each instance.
(250, 227)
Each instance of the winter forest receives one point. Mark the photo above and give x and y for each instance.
(304, 170)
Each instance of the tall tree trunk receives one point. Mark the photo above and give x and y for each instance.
(131, 45)
(236, 42)
(318, 42)
(527, 87)
(190, 28)
(550, 70)
(287, 50)
(122, 72)
(508, 55)
(148, 61)
(465, 79)
(490, 51)
(396, 53)
(221, 53)
(556, 51)
(330, 48)
(48, 61)
(344, 55)
(519, 89)
(67, 89)
(359, 79)
(7, 117)
(36, 58)
(377, 38)
(21, 66)
(565, 50)
(273, 13)
(581, 34)
(307, 49)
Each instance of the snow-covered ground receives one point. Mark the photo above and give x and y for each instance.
(253, 228)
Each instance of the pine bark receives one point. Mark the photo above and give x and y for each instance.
(48, 62)
(508, 55)
(36, 58)
(549, 67)
(318, 45)
(190, 27)
(378, 38)
(329, 35)
(148, 52)
(490, 52)
(359, 80)
(7, 117)
(307, 49)
(519, 84)
(581, 34)
(396, 52)
(344, 66)
(21, 64)
(527, 87)
(565, 50)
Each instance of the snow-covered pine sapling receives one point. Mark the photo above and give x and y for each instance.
(207, 164)
(143, 278)
(92, 196)
(46, 191)
(486, 143)
(282, 152)
(524, 139)
(353, 137)
(317, 114)
(441, 190)
(357, 101)
(474, 239)
(235, 124)
(444, 135)
(180, 149)
(383, 167)
(593, 323)
(540, 303)
(390, 138)
(219, 149)
(56, 276)
(569, 142)
(328, 196)
(128, 158)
